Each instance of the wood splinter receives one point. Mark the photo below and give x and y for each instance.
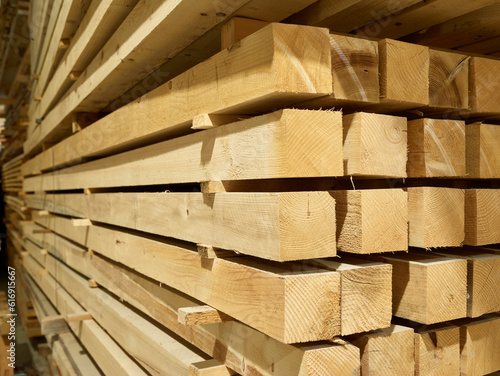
(201, 315)
(93, 284)
(212, 186)
(208, 121)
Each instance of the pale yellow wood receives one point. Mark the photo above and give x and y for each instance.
(283, 49)
(278, 226)
(375, 145)
(153, 348)
(428, 288)
(272, 299)
(436, 148)
(366, 294)
(287, 143)
(479, 351)
(483, 279)
(482, 150)
(105, 352)
(81, 222)
(102, 19)
(238, 28)
(448, 80)
(212, 186)
(437, 351)
(387, 351)
(208, 121)
(404, 74)
(210, 367)
(209, 252)
(79, 362)
(484, 85)
(201, 315)
(482, 216)
(78, 317)
(436, 217)
(371, 221)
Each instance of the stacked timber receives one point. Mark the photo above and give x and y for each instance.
(289, 200)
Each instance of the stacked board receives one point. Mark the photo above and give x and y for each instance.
(303, 202)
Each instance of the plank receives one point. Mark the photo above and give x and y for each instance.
(305, 83)
(153, 348)
(482, 212)
(279, 226)
(428, 288)
(101, 19)
(484, 84)
(483, 277)
(480, 354)
(448, 80)
(437, 351)
(252, 58)
(482, 150)
(436, 217)
(285, 150)
(106, 353)
(436, 148)
(387, 351)
(71, 357)
(404, 74)
(372, 220)
(375, 145)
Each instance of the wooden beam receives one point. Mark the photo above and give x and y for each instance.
(239, 346)
(436, 148)
(483, 277)
(201, 315)
(238, 28)
(71, 356)
(404, 74)
(436, 217)
(478, 346)
(233, 154)
(482, 150)
(313, 79)
(482, 213)
(427, 288)
(375, 145)
(387, 351)
(437, 351)
(360, 220)
(484, 85)
(448, 80)
(279, 83)
(285, 226)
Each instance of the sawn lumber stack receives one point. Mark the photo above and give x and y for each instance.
(301, 201)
